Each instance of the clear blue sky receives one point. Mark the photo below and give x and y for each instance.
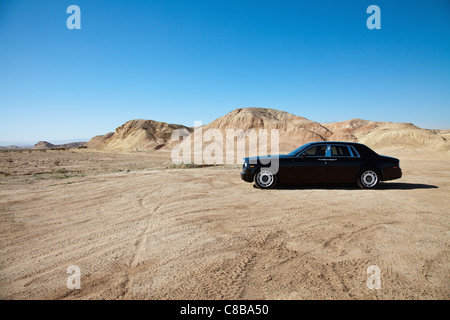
(186, 60)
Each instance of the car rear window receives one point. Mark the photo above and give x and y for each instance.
(365, 151)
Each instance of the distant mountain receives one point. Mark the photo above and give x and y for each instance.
(44, 145)
(12, 147)
(48, 145)
(15, 144)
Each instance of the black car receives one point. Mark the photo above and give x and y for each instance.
(322, 162)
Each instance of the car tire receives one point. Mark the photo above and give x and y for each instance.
(264, 179)
(368, 179)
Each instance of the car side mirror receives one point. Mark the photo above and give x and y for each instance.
(303, 155)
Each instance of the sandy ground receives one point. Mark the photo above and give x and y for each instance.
(140, 228)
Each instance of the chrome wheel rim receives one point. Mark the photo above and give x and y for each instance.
(369, 179)
(265, 179)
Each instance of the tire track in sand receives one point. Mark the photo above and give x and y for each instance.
(139, 244)
(143, 236)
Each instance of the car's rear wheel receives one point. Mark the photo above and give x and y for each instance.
(368, 179)
(265, 179)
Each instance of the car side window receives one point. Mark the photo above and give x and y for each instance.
(340, 151)
(317, 151)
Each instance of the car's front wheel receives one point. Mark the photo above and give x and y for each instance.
(265, 179)
(368, 179)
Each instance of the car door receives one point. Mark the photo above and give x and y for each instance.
(285, 169)
(342, 164)
(310, 165)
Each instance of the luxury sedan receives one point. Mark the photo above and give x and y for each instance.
(322, 162)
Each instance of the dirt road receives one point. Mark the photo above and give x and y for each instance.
(203, 233)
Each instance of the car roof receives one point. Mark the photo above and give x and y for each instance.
(362, 149)
(335, 142)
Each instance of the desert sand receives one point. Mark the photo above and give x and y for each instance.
(139, 227)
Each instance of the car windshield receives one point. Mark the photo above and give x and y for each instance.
(296, 151)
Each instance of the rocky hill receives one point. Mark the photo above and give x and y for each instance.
(404, 137)
(293, 131)
(138, 135)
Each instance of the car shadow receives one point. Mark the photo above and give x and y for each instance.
(352, 186)
(405, 186)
